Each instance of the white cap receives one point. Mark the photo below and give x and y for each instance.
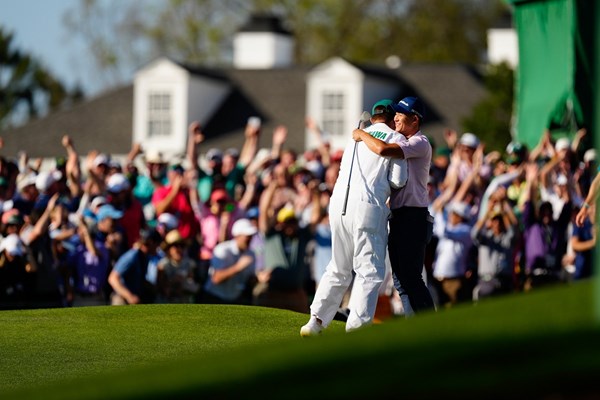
(154, 156)
(470, 140)
(561, 180)
(117, 183)
(243, 227)
(461, 209)
(97, 202)
(562, 144)
(45, 179)
(589, 155)
(100, 159)
(12, 245)
(168, 220)
(213, 154)
(25, 180)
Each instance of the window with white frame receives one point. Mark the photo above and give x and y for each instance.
(333, 112)
(159, 114)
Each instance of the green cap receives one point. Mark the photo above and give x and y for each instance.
(383, 103)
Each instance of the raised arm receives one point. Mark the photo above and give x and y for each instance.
(195, 137)
(322, 147)
(250, 147)
(72, 168)
(577, 140)
(264, 209)
(279, 138)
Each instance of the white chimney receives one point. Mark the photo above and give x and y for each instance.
(263, 44)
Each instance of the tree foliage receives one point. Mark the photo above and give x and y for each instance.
(122, 36)
(491, 119)
(27, 89)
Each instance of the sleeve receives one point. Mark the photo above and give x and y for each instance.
(398, 169)
(398, 173)
(125, 262)
(415, 147)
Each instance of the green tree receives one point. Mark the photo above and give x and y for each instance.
(121, 36)
(27, 89)
(491, 118)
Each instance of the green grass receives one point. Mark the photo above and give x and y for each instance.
(538, 345)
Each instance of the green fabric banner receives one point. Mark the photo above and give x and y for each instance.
(546, 96)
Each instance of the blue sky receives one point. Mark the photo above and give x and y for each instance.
(38, 29)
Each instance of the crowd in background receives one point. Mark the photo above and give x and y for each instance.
(250, 226)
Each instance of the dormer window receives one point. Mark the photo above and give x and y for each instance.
(159, 114)
(333, 113)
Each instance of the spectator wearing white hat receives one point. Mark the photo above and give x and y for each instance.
(231, 274)
(150, 178)
(121, 197)
(462, 163)
(97, 172)
(47, 184)
(165, 223)
(557, 178)
(16, 273)
(27, 193)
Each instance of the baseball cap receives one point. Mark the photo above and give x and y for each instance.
(252, 213)
(232, 152)
(219, 195)
(172, 238)
(461, 209)
(168, 220)
(214, 155)
(117, 183)
(25, 180)
(589, 155)
(154, 156)
(98, 202)
(385, 104)
(286, 214)
(45, 179)
(12, 245)
(469, 139)
(562, 144)
(243, 227)
(410, 105)
(12, 217)
(108, 211)
(100, 160)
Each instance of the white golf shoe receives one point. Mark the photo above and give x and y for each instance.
(312, 328)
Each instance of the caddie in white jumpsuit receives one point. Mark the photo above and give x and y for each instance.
(359, 238)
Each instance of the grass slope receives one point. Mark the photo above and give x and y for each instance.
(539, 345)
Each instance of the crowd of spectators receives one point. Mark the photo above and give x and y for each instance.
(250, 226)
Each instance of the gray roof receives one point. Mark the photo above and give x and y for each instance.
(103, 123)
(277, 96)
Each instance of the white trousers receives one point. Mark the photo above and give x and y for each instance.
(358, 243)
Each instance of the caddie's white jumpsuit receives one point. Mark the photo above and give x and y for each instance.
(359, 238)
